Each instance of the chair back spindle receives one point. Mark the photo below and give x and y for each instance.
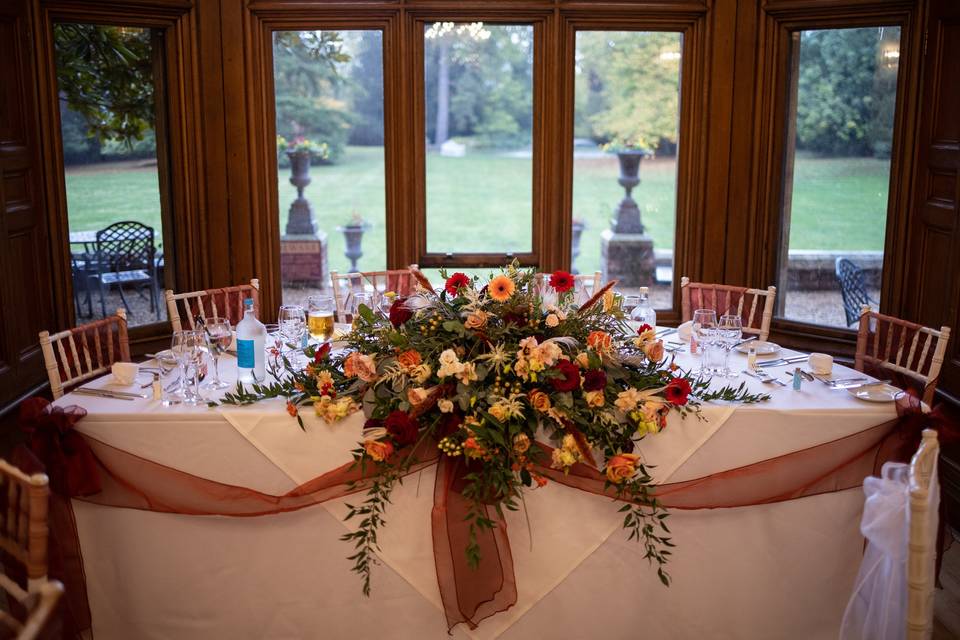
(84, 352)
(343, 285)
(24, 531)
(225, 302)
(901, 347)
(726, 299)
(922, 536)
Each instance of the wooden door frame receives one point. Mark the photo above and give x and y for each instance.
(178, 151)
(779, 20)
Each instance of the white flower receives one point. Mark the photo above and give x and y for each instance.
(449, 357)
(446, 406)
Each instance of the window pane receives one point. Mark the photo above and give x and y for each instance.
(479, 110)
(329, 104)
(105, 77)
(627, 110)
(837, 173)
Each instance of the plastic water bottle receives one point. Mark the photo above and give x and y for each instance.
(251, 340)
(643, 313)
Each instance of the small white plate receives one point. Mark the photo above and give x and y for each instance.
(876, 393)
(763, 348)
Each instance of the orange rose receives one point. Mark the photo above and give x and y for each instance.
(654, 350)
(621, 467)
(599, 341)
(539, 401)
(378, 450)
(409, 358)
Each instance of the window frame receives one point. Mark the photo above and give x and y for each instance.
(175, 157)
(689, 232)
(777, 31)
(415, 25)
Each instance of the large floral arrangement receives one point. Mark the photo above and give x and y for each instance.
(493, 372)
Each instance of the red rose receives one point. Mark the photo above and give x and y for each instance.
(399, 313)
(561, 281)
(517, 318)
(677, 391)
(643, 327)
(594, 380)
(402, 427)
(322, 352)
(456, 282)
(569, 378)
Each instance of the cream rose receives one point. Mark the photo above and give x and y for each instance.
(445, 405)
(551, 320)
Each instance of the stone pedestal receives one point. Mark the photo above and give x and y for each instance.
(628, 258)
(303, 259)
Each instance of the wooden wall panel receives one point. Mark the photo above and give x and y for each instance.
(26, 287)
(933, 262)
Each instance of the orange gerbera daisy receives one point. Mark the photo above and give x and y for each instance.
(501, 288)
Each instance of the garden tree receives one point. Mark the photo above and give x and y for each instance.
(309, 88)
(846, 92)
(481, 78)
(627, 92)
(446, 36)
(105, 79)
(366, 87)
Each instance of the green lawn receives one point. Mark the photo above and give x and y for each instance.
(481, 202)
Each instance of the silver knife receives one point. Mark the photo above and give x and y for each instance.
(783, 361)
(100, 393)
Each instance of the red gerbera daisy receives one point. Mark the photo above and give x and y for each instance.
(561, 281)
(677, 391)
(456, 282)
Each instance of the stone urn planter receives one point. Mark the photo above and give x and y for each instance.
(628, 213)
(353, 238)
(300, 221)
(578, 227)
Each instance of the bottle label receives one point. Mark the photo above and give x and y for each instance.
(245, 359)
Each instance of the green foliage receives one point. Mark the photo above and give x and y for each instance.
(627, 93)
(310, 89)
(105, 74)
(491, 80)
(846, 92)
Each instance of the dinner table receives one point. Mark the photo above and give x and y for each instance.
(778, 570)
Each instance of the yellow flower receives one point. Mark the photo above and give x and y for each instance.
(501, 288)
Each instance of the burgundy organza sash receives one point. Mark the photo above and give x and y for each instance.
(469, 595)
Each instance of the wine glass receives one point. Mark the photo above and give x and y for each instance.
(385, 302)
(359, 298)
(194, 346)
(320, 317)
(729, 330)
(293, 327)
(220, 336)
(176, 352)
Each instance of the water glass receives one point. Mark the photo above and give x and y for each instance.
(705, 333)
(176, 352)
(320, 317)
(293, 327)
(220, 336)
(356, 299)
(193, 347)
(730, 331)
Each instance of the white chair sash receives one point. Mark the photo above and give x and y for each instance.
(878, 607)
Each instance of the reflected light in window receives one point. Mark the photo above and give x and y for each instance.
(669, 56)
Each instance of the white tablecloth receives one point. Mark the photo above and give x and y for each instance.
(774, 571)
